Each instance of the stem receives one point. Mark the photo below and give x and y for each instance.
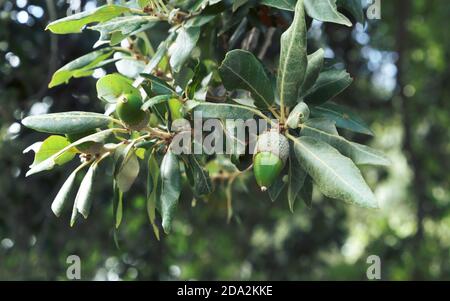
(274, 113)
(292, 138)
(121, 49)
(262, 115)
(104, 156)
(233, 175)
(83, 165)
(283, 113)
(229, 194)
(163, 6)
(137, 11)
(120, 130)
(117, 121)
(158, 133)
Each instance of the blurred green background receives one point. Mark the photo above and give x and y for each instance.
(402, 88)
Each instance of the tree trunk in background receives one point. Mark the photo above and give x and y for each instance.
(417, 191)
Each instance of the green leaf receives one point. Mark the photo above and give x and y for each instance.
(238, 32)
(52, 161)
(156, 59)
(200, 20)
(343, 117)
(155, 100)
(326, 11)
(325, 130)
(202, 183)
(293, 59)
(144, 3)
(153, 186)
(110, 87)
(67, 122)
(306, 193)
(277, 188)
(184, 77)
(51, 146)
(158, 86)
(76, 22)
(64, 193)
(354, 7)
(81, 67)
(117, 205)
(181, 49)
(221, 164)
(83, 200)
(126, 167)
(336, 176)
(238, 3)
(128, 173)
(202, 89)
(315, 64)
(117, 29)
(220, 110)
(197, 88)
(74, 215)
(128, 66)
(330, 83)
(297, 178)
(242, 70)
(170, 188)
(281, 4)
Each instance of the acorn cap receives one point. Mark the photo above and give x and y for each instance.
(275, 143)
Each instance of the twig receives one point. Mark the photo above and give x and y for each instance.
(267, 42)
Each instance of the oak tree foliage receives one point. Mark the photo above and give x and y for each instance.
(207, 62)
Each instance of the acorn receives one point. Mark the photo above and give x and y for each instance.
(271, 154)
(128, 109)
(300, 114)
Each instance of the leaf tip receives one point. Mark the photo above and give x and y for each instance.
(26, 122)
(156, 231)
(84, 213)
(55, 210)
(167, 227)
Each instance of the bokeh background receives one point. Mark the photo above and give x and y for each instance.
(402, 88)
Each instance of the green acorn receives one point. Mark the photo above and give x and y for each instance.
(129, 111)
(271, 154)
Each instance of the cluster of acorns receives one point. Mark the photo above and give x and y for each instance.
(272, 148)
(271, 151)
